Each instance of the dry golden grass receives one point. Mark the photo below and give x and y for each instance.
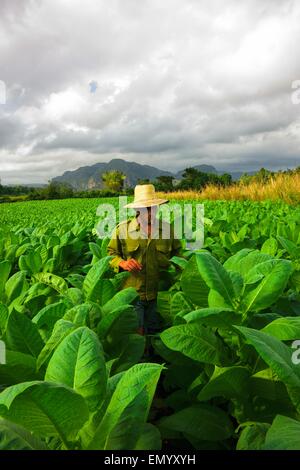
(283, 187)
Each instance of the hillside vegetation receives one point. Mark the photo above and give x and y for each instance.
(194, 184)
(280, 186)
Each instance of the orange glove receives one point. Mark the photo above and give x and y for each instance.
(131, 265)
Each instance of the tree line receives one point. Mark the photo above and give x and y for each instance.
(114, 183)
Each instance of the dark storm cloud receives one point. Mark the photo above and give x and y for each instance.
(171, 83)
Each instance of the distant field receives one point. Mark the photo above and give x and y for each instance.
(56, 213)
(222, 374)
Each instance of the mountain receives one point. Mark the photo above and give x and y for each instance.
(89, 177)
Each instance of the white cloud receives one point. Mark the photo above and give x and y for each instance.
(178, 82)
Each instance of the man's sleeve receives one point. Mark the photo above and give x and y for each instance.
(114, 248)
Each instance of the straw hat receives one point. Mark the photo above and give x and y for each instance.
(144, 196)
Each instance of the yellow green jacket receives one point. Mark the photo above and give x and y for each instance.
(153, 254)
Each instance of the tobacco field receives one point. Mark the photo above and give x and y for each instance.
(225, 372)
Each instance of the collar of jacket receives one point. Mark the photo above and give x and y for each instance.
(133, 226)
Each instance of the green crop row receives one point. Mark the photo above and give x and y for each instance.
(224, 374)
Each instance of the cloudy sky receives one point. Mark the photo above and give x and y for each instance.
(171, 83)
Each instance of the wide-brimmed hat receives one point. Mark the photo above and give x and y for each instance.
(144, 196)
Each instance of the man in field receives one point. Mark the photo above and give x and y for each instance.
(143, 246)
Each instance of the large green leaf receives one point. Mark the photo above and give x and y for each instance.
(103, 291)
(5, 267)
(237, 282)
(149, 438)
(215, 300)
(284, 328)
(34, 261)
(267, 385)
(62, 328)
(14, 437)
(270, 288)
(232, 263)
(19, 367)
(22, 335)
(22, 264)
(253, 436)
(284, 434)
(52, 280)
(78, 314)
(46, 409)
(291, 247)
(15, 285)
(127, 432)
(226, 382)
(87, 314)
(278, 356)
(84, 370)
(119, 279)
(3, 318)
(88, 431)
(131, 352)
(164, 307)
(259, 271)
(216, 276)
(121, 321)
(193, 285)
(75, 295)
(196, 342)
(206, 422)
(34, 303)
(245, 260)
(173, 357)
(49, 315)
(178, 261)
(270, 246)
(125, 296)
(95, 249)
(139, 380)
(214, 317)
(75, 280)
(93, 277)
(179, 303)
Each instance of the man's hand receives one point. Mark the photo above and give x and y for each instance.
(131, 265)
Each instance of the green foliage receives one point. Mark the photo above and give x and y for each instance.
(85, 369)
(195, 179)
(114, 180)
(223, 375)
(164, 183)
(199, 422)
